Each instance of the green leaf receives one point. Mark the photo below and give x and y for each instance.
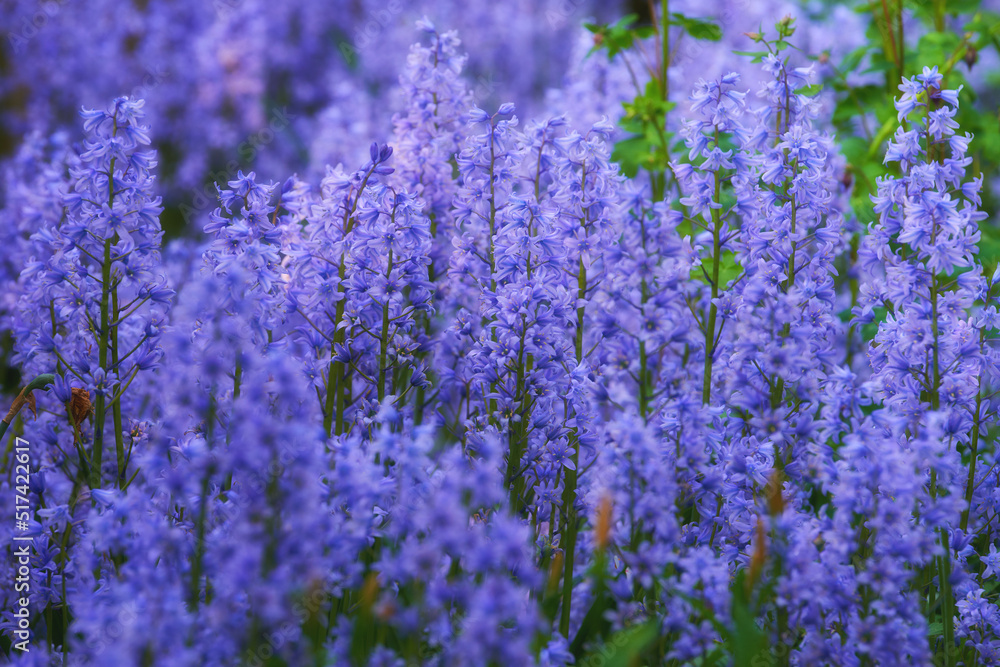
(594, 624)
(616, 37)
(758, 56)
(729, 269)
(935, 48)
(749, 642)
(877, 144)
(632, 154)
(853, 59)
(989, 243)
(625, 647)
(644, 32)
(987, 25)
(810, 91)
(870, 330)
(696, 27)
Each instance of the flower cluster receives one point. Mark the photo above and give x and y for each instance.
(486, 399)
(93, 295)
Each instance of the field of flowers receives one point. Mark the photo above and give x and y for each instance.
(542, 332)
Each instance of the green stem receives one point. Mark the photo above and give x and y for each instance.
(643, 385)
(936, 388)
(569, 489)
(237, 376)
(943, 561)
(227, 484)
(490, 252)
(664, 72)
(336, 389)
(102, 354)
(569, 537)
(939, 15)
(337, 381)
(331, 392)
(902, 41)
(383, 347)
(781, 612)
(116, 406)
(493, 212)
(517, 434)
(644, 375)
(855, 292)
(890, 47)
(581, 294)
(104, 334)
(947, 600)
(706, 389)
(778, 393)
(970, 482)
(665, 55)
(194, 595)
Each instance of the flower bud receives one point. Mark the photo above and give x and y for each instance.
(369, 591)
(971, 56)
(555, 571)
(775, 500)
(759, 557)
(602, 526)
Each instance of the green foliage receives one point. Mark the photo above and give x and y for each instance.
(989, 243)
(865, 115)
(870, 330)
(865, 118)
(625, 647)
(649, 144)
(645, 119)
(785, 28)
(697, 28)
(619, 36)
(746, 640)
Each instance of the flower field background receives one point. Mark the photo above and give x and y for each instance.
(551, 332)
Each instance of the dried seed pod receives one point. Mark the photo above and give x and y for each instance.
(79, 405)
